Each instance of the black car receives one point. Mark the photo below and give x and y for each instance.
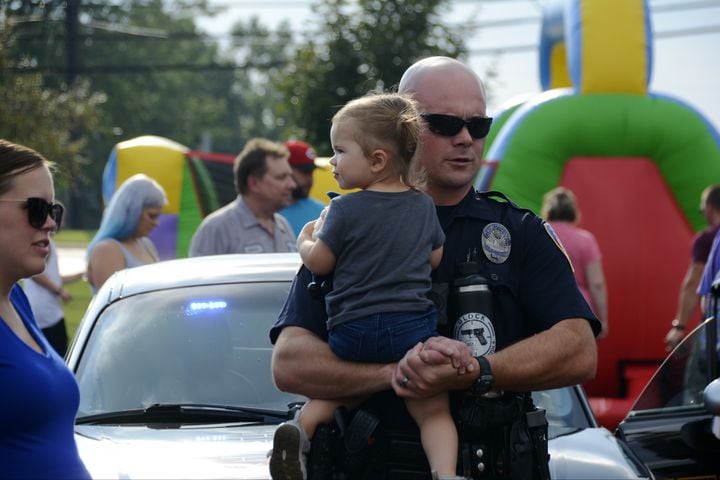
(674, 426)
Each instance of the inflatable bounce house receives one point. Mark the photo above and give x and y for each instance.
(196, 184)
(637, 161)
(183, 174)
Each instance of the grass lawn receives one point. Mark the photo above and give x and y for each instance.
(80, 290)
(75, 308)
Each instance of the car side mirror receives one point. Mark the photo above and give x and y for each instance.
(711, 397)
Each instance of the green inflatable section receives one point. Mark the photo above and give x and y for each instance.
(670, 134)
(499, 121)
(191, 217)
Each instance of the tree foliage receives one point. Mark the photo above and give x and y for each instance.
(265, 53)
(362, 46)
(75, 84)
(44, 118)
(158, 74)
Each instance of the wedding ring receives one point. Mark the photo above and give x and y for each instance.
(404, 382)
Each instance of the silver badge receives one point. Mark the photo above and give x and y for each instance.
(496, 242)
(476, 330)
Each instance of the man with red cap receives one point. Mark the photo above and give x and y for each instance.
(303, 209)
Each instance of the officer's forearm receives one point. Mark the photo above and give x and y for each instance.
(566, 354)
(303, 363)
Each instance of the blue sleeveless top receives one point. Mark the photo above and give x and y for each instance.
(38, 402)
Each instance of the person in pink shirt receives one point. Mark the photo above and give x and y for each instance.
(560, 209)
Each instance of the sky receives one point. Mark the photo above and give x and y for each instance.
(686, 44)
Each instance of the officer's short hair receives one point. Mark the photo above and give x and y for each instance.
(252, 161)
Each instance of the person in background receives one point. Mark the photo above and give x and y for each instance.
(40, 397)
(700, 252)
(560, 209)
(45, 291)
(122, 239)
(251, 223)
(302, 208)
(711, 274)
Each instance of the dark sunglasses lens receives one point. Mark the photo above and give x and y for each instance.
(445, 124)
(449, 126)
(38, 211)
(56, 212)
(479, 127)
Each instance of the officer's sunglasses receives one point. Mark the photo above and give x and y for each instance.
(38, 211)
(449, 125)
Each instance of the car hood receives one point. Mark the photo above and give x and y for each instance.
(191, 452)
(239, 451)
(590, 453)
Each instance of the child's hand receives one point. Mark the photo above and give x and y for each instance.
(307, 234)
(319, 223)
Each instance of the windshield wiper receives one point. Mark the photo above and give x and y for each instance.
(172, 415)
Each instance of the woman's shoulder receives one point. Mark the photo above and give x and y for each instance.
(106, 246)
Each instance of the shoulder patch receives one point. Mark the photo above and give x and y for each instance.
(559, 244)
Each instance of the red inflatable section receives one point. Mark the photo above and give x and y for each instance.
(645, 242)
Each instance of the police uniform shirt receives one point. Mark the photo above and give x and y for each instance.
(526, 267)
(532, 283)
(234, 228)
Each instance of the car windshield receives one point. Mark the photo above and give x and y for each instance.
(680, 381)
(204, 345)
(566, 412)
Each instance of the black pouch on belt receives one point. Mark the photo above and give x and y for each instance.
(504, 438)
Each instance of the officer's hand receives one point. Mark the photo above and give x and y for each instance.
(417, 378)
(437, 350)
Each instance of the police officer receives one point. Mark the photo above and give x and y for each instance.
(540, 332)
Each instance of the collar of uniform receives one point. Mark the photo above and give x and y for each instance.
(474, 204)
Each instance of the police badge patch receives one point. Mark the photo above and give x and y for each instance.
(476, 330)
(496, 242)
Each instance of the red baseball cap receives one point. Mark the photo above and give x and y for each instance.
(302, 155)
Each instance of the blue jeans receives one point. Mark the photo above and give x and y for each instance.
(383, 337)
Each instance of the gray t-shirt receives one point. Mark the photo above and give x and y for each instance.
(382, 242)
(234, 228)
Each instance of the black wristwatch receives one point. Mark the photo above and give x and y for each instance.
(485, 380)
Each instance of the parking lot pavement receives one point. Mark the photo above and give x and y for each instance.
(71, 260)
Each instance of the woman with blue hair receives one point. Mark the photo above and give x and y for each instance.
(122, 239)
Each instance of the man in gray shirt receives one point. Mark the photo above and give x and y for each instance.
(251, 224)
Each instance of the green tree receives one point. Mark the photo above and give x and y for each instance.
(41, 117)
(158, 73)
(265, 53)
(362, 46)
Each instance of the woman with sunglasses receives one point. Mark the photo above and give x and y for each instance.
(39, 397)
(122, 239)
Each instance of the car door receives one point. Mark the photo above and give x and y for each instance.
(670, 426)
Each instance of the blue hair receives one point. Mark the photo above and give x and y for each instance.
(122, 215)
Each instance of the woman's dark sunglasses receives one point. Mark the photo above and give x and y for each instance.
(39, 210)
(449, 125)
